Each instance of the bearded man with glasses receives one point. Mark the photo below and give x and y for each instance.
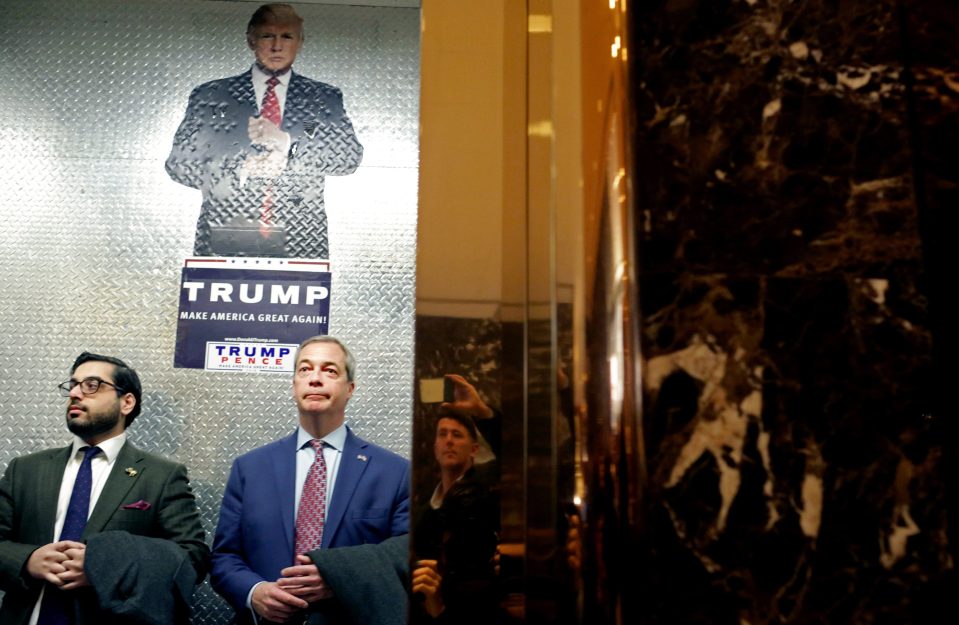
(98, 531)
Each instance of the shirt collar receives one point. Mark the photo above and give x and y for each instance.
(110, 447)
(335, 439)
(437, 499)
(438, 495)
(261, 76)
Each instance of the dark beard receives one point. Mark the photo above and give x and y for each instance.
(93, 426)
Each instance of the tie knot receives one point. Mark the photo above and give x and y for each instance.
(272, 81)
(317, 445)
(90, 452)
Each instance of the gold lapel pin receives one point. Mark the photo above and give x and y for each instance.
(131, 471)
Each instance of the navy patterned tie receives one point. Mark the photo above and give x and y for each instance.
(53, 609)
(312, 514)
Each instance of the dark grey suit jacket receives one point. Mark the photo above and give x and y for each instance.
(369, 583)
(29, 491)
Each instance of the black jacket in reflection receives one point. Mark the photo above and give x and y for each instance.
(462, 535)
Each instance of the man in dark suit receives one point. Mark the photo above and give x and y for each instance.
(320, 487)
(258, 146)
(53, 502)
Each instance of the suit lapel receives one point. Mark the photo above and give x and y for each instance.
(241, 90)
(352, 465)
(118, 484)
(48, 489)
(294, 109)
(289, 106)
(284, 477)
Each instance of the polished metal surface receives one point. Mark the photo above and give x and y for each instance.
(584, 448)
(559, 351)
(94, 232)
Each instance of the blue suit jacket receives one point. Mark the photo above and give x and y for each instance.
(212, 143)
(254, 536)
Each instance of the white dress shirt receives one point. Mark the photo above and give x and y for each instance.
(100, 467)
(259, 87)
(305, 454)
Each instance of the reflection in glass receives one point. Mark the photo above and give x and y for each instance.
(455, 572)
(556, 348)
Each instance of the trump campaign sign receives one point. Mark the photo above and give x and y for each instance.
(249, 314)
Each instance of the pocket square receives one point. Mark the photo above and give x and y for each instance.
(137, 505)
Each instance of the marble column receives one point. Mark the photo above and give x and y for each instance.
(792, 191)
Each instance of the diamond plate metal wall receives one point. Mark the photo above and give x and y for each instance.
(93, 232)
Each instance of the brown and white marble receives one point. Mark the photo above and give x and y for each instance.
(791, 157)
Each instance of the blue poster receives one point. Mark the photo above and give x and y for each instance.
(249, 314)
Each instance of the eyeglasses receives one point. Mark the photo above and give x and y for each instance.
(88, 386)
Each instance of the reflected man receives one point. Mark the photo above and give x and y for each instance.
(259, 145)
(320, 487)
(60, 557)
(456, 535)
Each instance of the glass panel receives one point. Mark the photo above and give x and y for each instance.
(556, 346)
